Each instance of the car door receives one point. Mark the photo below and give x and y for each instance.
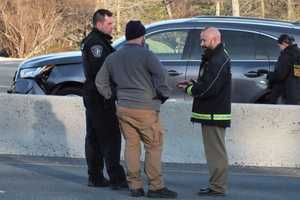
(267, 49)
(194, 56)
(171, 49)
(249, 52)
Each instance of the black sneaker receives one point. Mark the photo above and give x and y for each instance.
(103, 182)
(119, 186)
(210, 192)
(162, 193)
(137, 192)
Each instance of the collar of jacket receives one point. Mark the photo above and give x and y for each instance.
(107, 37)
(210, 52)
(132, 45)
(290, 48)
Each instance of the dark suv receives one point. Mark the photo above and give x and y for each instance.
(250, 42)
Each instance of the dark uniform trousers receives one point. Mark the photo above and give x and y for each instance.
(103, 139)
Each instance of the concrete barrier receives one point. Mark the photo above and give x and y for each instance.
(261, 135)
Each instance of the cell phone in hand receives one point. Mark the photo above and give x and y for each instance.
(182, 84)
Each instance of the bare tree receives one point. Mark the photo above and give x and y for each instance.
(28, 34)
(30, 27)
(235, 8)
(262, 5)
(218, 7)
(118, 2)
(101, 4)
(167, 4)
(290, 9)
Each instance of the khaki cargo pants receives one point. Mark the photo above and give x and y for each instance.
(142, 125)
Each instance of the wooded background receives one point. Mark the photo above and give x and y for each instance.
(33, 27)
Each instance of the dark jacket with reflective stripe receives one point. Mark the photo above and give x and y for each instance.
(212, 91)
(287, 74)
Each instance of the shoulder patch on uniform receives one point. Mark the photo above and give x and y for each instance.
(97, 50)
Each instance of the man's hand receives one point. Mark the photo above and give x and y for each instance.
(160, 97)
(183, 84)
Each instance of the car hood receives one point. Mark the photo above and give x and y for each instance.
(54, 58)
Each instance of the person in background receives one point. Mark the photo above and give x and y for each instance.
(285, 80)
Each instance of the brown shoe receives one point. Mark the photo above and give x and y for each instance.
(210, 192)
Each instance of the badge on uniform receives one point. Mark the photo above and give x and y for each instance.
(97, 51)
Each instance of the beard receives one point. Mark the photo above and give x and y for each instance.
(207, 51)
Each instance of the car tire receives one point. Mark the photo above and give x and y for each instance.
(69, 91)
(265, 99)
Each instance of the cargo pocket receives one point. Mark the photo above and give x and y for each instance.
(152, 134)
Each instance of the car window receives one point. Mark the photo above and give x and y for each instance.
(266, 48)
(168, 45)
(194, 43)
(240, 45)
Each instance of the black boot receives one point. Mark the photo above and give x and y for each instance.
(119, 186)
(210, 192)
(98, 182)
(162, 193)
(137, 192)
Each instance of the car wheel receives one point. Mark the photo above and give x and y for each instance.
(265, 99)
(69, 91)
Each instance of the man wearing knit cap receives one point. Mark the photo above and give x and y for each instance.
(140, 83)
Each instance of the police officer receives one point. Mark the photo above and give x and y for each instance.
(285, 80)
(103, 137)
(211, 108)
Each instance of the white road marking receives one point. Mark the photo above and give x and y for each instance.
(4, 86)
(2, 192)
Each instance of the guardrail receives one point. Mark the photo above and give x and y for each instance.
(261, 135)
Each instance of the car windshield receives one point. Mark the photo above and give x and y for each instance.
(118, 42)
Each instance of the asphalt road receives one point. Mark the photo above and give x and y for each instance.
(31, 178)
(7, 71)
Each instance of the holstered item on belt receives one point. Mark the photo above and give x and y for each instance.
(296, 69)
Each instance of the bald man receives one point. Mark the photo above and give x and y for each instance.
(211, 107)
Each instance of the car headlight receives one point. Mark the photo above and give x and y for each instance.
(33, 72)
(30, 72)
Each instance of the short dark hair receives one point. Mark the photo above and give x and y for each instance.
(99, 15)
(285, 38)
